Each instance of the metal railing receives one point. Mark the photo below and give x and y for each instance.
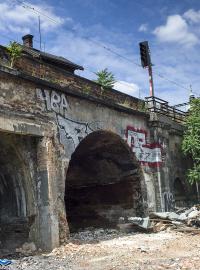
(160, 106)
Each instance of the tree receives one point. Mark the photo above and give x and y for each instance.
(191, 140)
(14, 50)
(105, 78)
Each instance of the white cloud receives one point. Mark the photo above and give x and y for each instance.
(143, 27)
(16, 29)
(192, 15)
(16, 18)
(176, 30)
(131, 89)
(178, 64)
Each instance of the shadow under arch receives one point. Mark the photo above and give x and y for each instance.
(185, 195)
(17, 196)
(103, 182)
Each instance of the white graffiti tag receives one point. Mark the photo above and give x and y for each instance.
(72, 130)
(54, 101)
(169, 201)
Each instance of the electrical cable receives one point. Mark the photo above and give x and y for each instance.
(31, 8)
(85, 68)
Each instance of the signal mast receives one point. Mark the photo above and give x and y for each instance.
(146, 63)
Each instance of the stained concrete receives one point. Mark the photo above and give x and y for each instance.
(87, 141)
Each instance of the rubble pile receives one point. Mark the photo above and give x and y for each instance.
(79, 240)
(139, 251)
(27, 249)
(182, 220)
(93, 235)
(97, 249)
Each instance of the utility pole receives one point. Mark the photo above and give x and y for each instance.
(146, 63)
(151, 86)
(40, 35)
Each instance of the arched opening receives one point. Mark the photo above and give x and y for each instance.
(193, 194)
(16, 192)
(103, 182)
(180, 193)
(184, 194)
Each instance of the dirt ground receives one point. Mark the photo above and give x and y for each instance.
(110, 250)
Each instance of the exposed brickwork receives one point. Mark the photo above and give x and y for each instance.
(65, 77)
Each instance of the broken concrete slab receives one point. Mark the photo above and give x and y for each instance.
(164, 215)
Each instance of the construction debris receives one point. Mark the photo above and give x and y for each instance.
(182, 220)
(187, 220)
(113, 250)
(27, 249)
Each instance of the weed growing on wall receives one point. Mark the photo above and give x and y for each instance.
(86, 89)
(141, 106)
(105, 78)
(14, 50)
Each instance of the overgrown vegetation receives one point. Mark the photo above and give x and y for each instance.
(14, 50)
(191, 141)
(141, 106)
(105, 78)
(125, 103)
(86, 89)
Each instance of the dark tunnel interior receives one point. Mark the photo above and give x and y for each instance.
(14, 176)
(103, 182)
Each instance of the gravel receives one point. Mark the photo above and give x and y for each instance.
(108, 249)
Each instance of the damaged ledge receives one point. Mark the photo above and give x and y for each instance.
(23, 126)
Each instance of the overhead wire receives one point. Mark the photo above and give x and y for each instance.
(171, 81)
(24, 5)
(85, 68)
(33, 9)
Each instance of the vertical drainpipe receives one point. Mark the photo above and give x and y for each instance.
(159, 179)
(160, 190)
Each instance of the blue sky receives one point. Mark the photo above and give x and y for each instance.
(172, 28)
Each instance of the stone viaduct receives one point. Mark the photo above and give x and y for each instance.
(75, 155)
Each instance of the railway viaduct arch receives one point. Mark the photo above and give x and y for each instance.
(67, 144)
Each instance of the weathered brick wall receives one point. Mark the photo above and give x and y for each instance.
(37, 68)
(76, 83)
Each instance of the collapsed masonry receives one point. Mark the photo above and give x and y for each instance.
(72, 156)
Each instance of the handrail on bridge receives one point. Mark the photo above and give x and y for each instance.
(161, 106)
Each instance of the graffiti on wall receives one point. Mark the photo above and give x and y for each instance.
(169, 202)
(71, 131)
(147, 154)
(54, 101)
